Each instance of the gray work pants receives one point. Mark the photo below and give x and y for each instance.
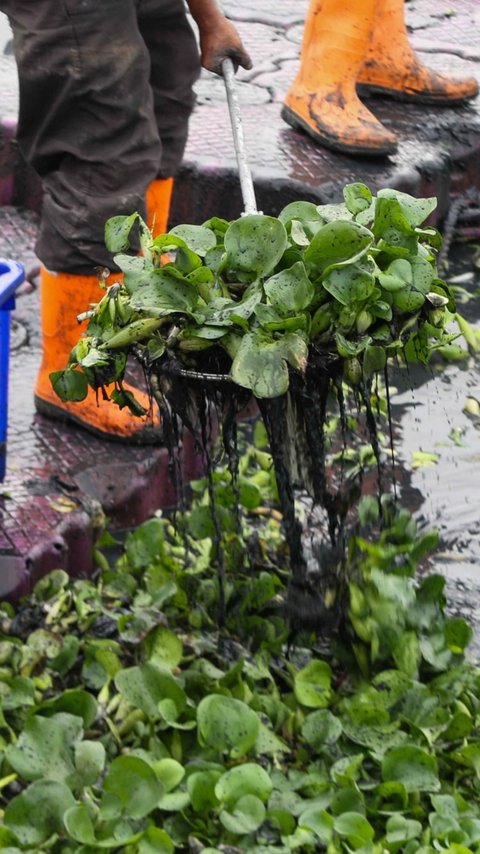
(105, 97)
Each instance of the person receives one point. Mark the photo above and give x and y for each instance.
(356, 47)
(105, 97)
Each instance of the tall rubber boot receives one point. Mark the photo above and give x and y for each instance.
(391, 67)
(158, 198)
(323, 99)
(63, 297)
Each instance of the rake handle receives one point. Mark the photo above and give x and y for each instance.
(244, 173)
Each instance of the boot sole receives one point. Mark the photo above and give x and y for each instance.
(334, 144)
(366, 89)
(144, 436)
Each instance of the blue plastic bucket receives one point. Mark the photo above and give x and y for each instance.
(12, 274)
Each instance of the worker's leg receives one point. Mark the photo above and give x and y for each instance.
(63, 297)
(392, 68)
(323, 98)
(175, 66)
(87, 125)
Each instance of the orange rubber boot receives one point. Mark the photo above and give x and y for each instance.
(158, 198)
(392, 68)
(63, 297)
(323, 98)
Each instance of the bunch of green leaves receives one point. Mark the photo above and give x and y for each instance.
(357, 280)
(130, 723)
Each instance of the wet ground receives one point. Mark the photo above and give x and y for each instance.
(430, 409)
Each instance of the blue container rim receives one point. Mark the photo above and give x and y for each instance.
(12, 274)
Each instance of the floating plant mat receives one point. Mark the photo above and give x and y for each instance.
(302, 313)
(131, 724)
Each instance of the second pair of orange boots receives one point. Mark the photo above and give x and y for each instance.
(62, 297)
(353, 47)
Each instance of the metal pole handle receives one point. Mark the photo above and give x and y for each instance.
(244, 173)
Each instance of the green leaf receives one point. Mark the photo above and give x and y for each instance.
(163, 647)
(21, 694)
(305, 212)
(348, 348)
(246, 779)
(321, 728)
(298, 234)
(469, 755)
(355, 827)
(201, 522)
(312, 685)
(412, 296)
(401, 829)
(458, 634)
(249, 495)
(408, 655)
(174, 801)
(73, 701)
(337, 243)
(66, 658)
(145, 687)
(255, 244)
(260, 363)
(377, 736)
(415, 210)
(290, 290)
(198, 238)
(45, 748)
(8, 841)
(201, 788)
(134, 783)
(269, 743)
(165, 292)
(319, 821)
(392, 228)
(156, 841)
(226, 724)
(89, 761)
(169, 772)
(344, 771)
(469, 333)
(349, 284)
(117, 230)
(358, 197)
(422, 459)
(397, 275)
(247, 816)
(374, 360)
(334, 212)
(413, 767)
(79, 825)
(69, 385)
(44, 801)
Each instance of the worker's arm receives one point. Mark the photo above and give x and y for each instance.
(219, 39)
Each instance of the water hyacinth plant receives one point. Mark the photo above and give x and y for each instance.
(252, 300)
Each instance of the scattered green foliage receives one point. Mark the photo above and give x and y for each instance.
(130, 723)
(257, 296)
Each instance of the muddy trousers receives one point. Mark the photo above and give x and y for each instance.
(105, 98)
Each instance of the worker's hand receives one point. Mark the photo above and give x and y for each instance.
(222, 42)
